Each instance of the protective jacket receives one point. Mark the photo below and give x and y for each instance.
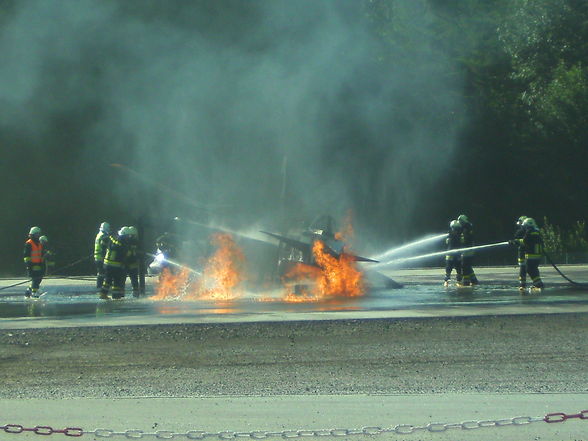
(33, 254)
(453, 240)
(116, 254)
(132, 258)
(519, 234)
(531, 243)
(467, 238)
(101, 246)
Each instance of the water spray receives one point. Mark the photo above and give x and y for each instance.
(409, 245)
(439, 253)
(246, 235)
(161, 257)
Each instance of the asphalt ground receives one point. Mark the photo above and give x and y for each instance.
(330, 369)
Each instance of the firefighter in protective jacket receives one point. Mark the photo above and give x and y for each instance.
(532, 243)
(521, 261)
(33, 259)
(100, 247)
(467, 257)
(115, 271)
(453, 261)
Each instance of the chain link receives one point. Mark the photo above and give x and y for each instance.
(400, 429)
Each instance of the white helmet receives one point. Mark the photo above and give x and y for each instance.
(132, 231)
(529, 223)
(105, 227)
(124, 231)
(43, 239)
(521, 219)
(454, 224)
(463, 219)
(34, 231)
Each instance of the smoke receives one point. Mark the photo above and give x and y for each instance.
(257, 110)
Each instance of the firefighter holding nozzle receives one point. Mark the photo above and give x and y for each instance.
(453, 261)
(33, 259)
(532, 244)
(467, 257)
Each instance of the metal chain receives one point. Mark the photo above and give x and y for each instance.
(401, 429)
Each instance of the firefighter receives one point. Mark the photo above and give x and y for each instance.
(519, 234)
(467, 257)
(48, 255)
(166, 250)
(33, 259)
(132, 260)
(532, 243)
(100, 247)
(115, 271)
(453, 261)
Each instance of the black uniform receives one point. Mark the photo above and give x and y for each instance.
(114, 268)
(519, 234)
(467, 257)
(532, 244)
(132, 264)
(453, 261)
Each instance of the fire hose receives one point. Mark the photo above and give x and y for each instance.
(69, 265)
(578, 284)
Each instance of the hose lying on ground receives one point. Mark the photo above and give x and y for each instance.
(578, 284)
(69, 265)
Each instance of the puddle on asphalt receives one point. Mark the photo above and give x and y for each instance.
(79, 302)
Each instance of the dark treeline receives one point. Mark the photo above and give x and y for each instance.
(441, 107)
(524, 144)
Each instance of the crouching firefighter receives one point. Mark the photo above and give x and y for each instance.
(115, 271)
(532, 244)
(33, 259)
(453, 261)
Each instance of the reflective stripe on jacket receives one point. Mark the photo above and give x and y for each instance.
(100, 246)
(116, 254)
(36, 253)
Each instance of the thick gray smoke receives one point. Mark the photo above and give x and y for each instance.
(255, 109)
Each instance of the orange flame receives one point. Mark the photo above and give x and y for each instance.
(220, 280)
(171, 285)
(223, 272)
(332, 277)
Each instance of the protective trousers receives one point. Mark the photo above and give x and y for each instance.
(467, 270)
(36, 276)
(452, 262)
(114, 281)
(134, 277)
(533, 271)
(99, 273)
(522, 267)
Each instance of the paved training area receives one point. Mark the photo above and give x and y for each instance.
(73, 302)
(414, 356)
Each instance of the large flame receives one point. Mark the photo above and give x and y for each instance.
(220, 279)
(223, 272)
(171, 284)
(332, 277)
